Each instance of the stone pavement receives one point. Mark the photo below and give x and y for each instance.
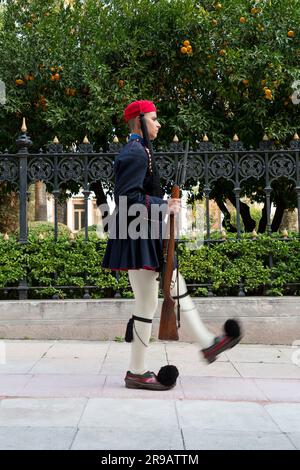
(71, 395)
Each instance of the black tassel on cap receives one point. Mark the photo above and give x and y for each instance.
(129, 331)
(167, 375)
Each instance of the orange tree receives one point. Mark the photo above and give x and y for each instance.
(218, 67)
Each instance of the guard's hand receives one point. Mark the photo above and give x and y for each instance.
(174, 206)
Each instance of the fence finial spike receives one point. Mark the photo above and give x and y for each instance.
(55, 140)
(266, 138)
(175, 138)
(254, 233)
(6, 236)
(223, 234)
(235, 138)
(24, 127)
(72, 236)
(115, 139)
(205, 138)
(285, 233)
(296, 136)
(86, 140)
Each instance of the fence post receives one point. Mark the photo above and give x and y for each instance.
(295, 145)
(23, 142)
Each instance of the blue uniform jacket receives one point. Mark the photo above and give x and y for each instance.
(131, 170)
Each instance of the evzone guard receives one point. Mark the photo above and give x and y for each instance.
(137, 179)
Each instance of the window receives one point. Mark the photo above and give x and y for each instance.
(79, 216)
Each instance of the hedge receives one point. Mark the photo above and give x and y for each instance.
(219, 268)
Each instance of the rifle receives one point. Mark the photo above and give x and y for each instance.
(168, 329)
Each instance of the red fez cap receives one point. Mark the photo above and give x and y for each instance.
(136, 107)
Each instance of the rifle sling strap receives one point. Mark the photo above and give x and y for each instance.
(180, 296)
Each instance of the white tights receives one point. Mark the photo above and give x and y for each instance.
(145, 288)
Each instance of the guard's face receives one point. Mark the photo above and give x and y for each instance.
(153, 125)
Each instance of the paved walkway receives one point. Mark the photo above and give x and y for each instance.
(71, 395)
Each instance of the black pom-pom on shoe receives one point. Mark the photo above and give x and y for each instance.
(232, 328)
(232, 336)
(167, 375)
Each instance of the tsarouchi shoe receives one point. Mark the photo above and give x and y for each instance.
(231, 337)
(164, 380)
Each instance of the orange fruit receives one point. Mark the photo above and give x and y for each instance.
(222, 52)
(183, 50)
(291, 34)
(186, 43)
(268, 94)
(242, 19)
(56, 76)
(245, 82)
(263, 82)
(218, 6)
(52, 78)
(19, 81)
(189, 49)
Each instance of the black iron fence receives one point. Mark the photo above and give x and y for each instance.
(233, 168)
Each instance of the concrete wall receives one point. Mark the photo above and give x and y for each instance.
(266, 320)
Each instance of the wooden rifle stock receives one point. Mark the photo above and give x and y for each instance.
(168, 326)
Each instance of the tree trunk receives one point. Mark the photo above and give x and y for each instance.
(62, 213)
(280, 207)
(9, 210)
(249, 223)
(226, 221)
(40, 201)
(263, 221)
(289, 220)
